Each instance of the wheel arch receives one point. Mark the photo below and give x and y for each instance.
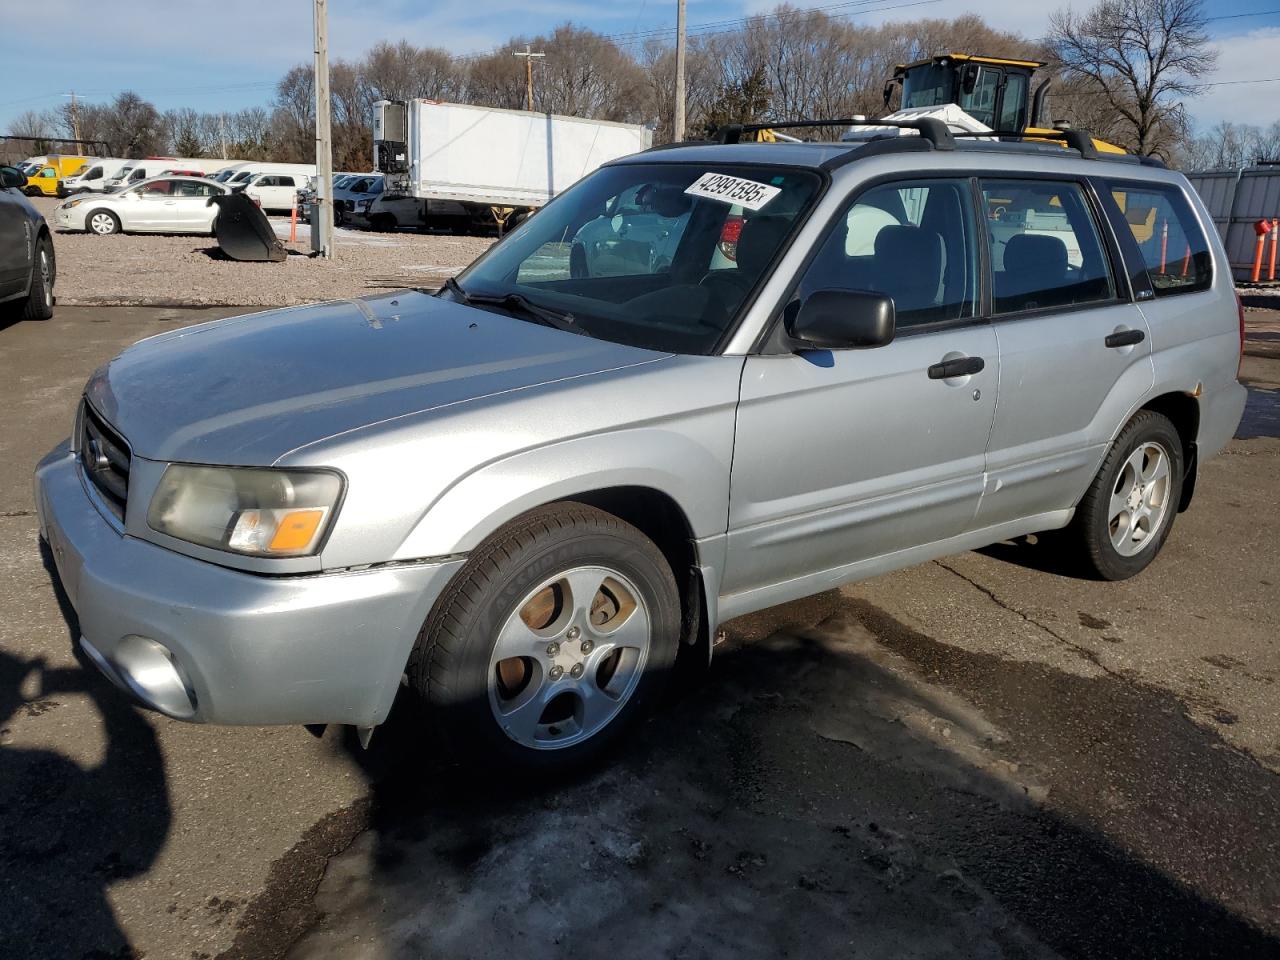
(659, 516)
(1182, 408)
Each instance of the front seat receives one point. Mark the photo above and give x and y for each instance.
(908, 267)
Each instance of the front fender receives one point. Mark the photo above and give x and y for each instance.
(692, 473)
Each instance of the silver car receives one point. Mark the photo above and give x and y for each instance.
(523, 497)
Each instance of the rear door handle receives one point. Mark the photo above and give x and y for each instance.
(959, 367)
(1124, 338)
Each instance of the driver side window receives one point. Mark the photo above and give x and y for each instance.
(912, 241)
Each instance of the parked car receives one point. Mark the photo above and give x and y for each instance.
(637, 232)
(520, 498)
(158, 205)
(28, 267)
(307, 194)
(47, 181)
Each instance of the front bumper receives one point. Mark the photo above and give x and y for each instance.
(64, 219)
(240, 648)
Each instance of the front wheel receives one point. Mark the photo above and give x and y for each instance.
(550, 641)
(1127, 512)
(103, 223)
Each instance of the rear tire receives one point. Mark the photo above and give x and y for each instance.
(1128, 511)
(102, 223)
(555, 636)
(38, 303)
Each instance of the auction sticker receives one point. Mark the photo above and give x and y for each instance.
(745, 193)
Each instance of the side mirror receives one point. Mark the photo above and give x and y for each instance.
(969, 80)
(844, 319)
(12, 177)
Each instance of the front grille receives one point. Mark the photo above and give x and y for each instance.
(104, 455)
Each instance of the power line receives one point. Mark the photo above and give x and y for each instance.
(1237, 16)
(632, 38)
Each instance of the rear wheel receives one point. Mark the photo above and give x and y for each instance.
(1127, 513)
(102, 222)
(38, 304)
(551, 640)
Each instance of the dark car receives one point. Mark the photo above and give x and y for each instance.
(27, 264)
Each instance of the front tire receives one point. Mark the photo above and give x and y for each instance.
(1127, 512)
(102, 223)
(550, 642)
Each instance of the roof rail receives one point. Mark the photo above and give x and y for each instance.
(1074, 139)
(931, 129)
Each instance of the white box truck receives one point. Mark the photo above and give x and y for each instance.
(472, 165)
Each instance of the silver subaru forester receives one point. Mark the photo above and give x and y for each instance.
(522, 496)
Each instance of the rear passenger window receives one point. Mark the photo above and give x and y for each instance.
(912, 241)
(1046, 250)
(1174, 249)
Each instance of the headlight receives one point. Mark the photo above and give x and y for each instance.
(71, 203)
(366, 204)
(259, 512)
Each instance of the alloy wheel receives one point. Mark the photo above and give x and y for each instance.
(1140, 499)
(569, 657)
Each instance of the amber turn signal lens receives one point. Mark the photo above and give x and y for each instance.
(297, 530)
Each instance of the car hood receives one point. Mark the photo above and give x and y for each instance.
(247, 390)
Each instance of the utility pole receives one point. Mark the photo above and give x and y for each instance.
(222, 129)
(75, 115)
(529, 57)
(677, 124)
(322, 219)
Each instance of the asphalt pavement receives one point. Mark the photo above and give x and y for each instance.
(985, 756)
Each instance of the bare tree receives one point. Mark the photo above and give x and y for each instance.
(1142, 58)
(30, 123)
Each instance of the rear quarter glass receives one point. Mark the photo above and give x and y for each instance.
(1173, 248)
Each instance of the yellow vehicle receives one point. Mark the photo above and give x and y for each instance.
(45, 180)
(993, 90)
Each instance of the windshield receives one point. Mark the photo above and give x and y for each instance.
(655, 255)
(928, 86)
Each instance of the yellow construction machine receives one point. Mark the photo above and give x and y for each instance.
(993, 90)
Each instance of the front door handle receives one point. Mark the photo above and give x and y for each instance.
(959, 367)
(1124, 338)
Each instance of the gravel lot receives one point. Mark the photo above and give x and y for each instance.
(149, 269)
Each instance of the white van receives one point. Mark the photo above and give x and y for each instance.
(94, 177)
(135, 170)
(205, 165)
(224, 173)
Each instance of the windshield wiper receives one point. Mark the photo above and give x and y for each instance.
(518, 302)
(454, 287)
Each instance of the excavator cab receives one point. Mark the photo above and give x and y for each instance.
(994, 91)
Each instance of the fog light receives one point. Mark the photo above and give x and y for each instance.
(150, 670)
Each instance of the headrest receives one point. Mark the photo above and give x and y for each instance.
(1035, 253)
(911, 247)
(759, 241)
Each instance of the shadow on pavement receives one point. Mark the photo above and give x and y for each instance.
(70, 832)
(816, 795)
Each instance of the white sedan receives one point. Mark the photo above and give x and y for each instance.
(159, 205)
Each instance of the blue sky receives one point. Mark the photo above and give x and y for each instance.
(229, 55)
